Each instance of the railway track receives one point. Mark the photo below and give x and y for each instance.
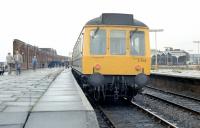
(130, 114)
(126, 114)
(152, 115)
(179, 109)
(187, 103)
(104, 121)
(173, 93)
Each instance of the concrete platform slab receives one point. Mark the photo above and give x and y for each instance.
(60, 107)
(2, 107)
(61, 93)
(27, 99)
(8, 99)
(19, 103)
(17, 109)
(12, 126)
(5, 95)
(63, 106)
(61, 98)
(8, 118)
(66, 119)
(62, 89)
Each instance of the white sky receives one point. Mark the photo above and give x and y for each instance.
(57, 23)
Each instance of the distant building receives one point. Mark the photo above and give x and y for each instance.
(194, 58)
(44, 55)
(50, 51)
(170, 57)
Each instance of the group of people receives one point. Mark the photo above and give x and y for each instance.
(17, 60)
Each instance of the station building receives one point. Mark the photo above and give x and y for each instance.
(44, 55)
(170, 57)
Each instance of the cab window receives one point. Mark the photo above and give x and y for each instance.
(137, 43)
(117, 42)
(98, 42)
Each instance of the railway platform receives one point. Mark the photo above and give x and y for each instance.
(45, 98)
(185, 82)
(193, 74)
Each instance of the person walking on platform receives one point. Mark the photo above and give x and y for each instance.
(34, 62)
(2, 69)
(18, 61)
(10, 61)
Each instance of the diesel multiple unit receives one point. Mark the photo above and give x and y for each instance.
(112, 56)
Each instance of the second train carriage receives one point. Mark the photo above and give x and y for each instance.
(112, 56)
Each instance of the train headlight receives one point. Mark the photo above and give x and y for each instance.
(138, 68)
(97, 67)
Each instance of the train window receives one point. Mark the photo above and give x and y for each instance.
(137, 43)
(98, 42)
(117, 42)
(81, 43)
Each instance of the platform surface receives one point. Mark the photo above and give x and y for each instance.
(193, 74)
(63, 106)
(18, 94)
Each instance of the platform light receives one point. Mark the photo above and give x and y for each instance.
(156, 30)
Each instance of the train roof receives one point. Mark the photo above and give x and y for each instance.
(116, 19)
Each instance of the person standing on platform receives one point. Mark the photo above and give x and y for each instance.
(18, 61)
(1, 69)
(34, 62)
(10, 61)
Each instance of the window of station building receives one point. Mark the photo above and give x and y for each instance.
(98, 42)
(117, 42)
(137, 43)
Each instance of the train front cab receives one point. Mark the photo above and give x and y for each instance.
(118, 54)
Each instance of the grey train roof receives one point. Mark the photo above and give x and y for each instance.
(116, 19)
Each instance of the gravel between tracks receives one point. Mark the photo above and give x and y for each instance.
(182, 118)
(126, 116)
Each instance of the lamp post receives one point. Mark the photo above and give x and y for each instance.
(156, 30)
(167, 50)
(198, 42)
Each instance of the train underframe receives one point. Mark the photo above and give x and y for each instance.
(102, 87)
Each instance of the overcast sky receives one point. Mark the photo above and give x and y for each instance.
(57, 23)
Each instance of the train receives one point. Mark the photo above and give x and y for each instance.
(111, 57)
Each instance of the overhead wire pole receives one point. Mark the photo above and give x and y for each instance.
(156, 30)
(198, 42)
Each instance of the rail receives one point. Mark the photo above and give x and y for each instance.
(153, 115)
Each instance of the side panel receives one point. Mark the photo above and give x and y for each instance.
(77, 54)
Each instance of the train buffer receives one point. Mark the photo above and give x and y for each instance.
(46, 98)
